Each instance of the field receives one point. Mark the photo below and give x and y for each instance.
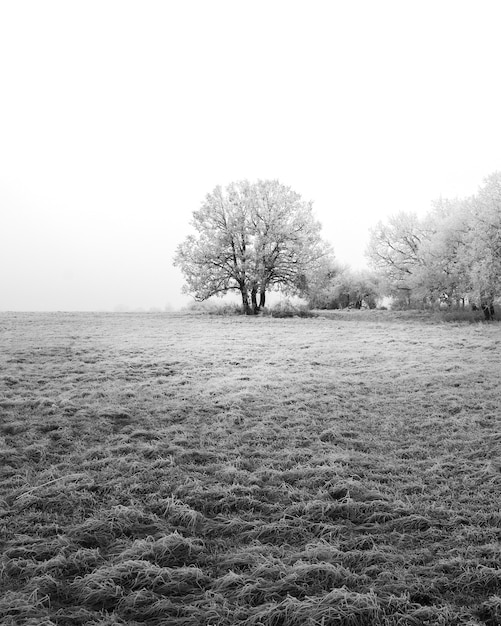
(202, 470)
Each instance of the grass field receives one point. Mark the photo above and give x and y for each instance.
(194, 469)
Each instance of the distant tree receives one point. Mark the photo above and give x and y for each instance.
(251, 238)
(451, 255)
(338, 287)
(484, 243)
(321, 285)
(363, 288)
(394, 251)
(443, 274)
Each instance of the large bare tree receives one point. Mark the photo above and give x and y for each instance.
(251, 238)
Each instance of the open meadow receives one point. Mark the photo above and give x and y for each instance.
(206, 470)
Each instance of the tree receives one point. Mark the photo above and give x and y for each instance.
(338, 287)
(443, 275)
(321, 285)
(452, 254)
(251, 238)
(394, 251)
(484, 243)
(363, 288)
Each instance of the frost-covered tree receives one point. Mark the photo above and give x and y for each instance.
(443, 274)
(394, 251)
(452, 254)
(484, 243)
(251, 238)
(338, 287)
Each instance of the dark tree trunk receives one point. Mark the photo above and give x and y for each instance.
(245, 302)
(344, 300)
(255, 307)
(262, 298)
(488, 310)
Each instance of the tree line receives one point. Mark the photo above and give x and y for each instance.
(451, 256)
(253, 238)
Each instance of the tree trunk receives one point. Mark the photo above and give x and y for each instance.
(245, 302)
(488, 310)
(262, 298)
(255, 307)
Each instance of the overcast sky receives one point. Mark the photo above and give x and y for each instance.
(118, 117)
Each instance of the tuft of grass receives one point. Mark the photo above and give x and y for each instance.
(119, 521)
(17, 607)
(106, 586)
(169, 551)
(490, 611)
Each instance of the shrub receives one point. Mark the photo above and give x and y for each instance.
(288, 309)
(462, 315)
(210, 307)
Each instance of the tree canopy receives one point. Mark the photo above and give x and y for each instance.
(452, 254)
(251, 238)
(335, 286)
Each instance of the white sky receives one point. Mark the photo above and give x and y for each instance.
(118, 117)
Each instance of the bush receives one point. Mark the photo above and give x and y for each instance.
(462, 315)
(287, 309)
(215, 308)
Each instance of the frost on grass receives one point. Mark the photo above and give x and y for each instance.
(334, 471)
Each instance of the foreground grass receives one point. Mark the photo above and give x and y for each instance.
(194, 470)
